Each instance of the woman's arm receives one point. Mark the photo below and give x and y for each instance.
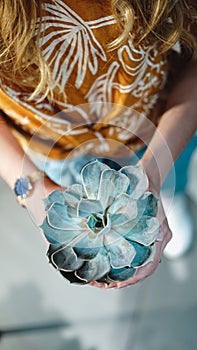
(14, 164)
(177, 126)
(175, 129)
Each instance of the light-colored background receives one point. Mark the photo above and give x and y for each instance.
(157, 314)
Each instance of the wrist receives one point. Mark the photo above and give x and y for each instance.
(42, 188)
(24, 185)
(149, 163)
(33, 185)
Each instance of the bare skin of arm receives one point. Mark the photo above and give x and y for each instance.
(14, 164)
(176, 127)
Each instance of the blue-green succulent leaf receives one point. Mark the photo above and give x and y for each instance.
(122, 225)
(123, 208)
(145, 231)
(65, 259)
(72, 212)
(95, 268)
(47, 204)
(138, 180)
(151, 256)
(58, 218)
(112, 184)
(72, 278)
(53, 248)
(88, 246)
(118, 275)
(123, 204)
(98, 225)
(56, 196)
(142, 254)
(103, 229)
(91, 174)
(56, 236)
(118, 220)
(88, 206)
(147, 205)
(121, 252)
(95, 223)
(73, 194)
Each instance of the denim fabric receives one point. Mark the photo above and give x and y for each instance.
(64, 172)
(182, 168)
(67, 172)
(178, 177)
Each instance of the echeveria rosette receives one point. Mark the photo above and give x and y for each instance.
(103, 229)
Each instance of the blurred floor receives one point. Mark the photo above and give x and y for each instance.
(157, 314)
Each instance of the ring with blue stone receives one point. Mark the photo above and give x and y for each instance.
(24, 185)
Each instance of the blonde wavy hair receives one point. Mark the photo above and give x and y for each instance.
(21, 60)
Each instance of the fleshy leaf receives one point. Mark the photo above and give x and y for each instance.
(104, 229)
(72, 278)
(118, 275)
(147, 205)
(112, 184)
(151, 256)
(99, 224)
(123, 208)
(95, 268)
(88, 206)
(122, 225)
(91, 174)
(121, 252)
(56, 196)
(58, 218)
(74, 194)
(119, 220)
(138, 180)
(52, 248)
(88, 246)
(56, 236)
(145, 231)
(65, 259)
(95, 223)
(142, 254)
(72, 212)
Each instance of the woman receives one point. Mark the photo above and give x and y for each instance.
(72, 73)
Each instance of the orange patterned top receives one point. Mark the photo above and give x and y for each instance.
(117, 89)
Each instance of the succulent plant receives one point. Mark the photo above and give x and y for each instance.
(103, 229)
